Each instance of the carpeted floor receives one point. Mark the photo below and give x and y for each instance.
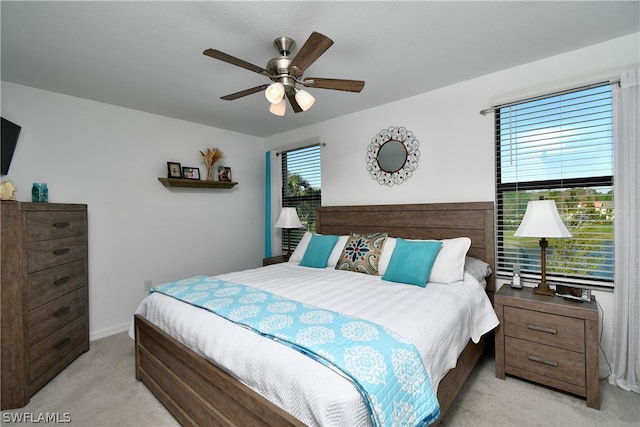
(100, 389)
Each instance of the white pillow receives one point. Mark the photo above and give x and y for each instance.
(385, 256)
(337, 251)
(448, 267)
(477, 268)
(298, 253)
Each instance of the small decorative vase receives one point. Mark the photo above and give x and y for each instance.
(39, 192)
(209, 173)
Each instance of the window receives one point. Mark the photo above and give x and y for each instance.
(558, 147)
(301, 184)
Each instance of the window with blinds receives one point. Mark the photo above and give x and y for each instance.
(301, 187)
(558, 147)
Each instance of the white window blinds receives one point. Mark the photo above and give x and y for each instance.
(301, 187)
(558, 147)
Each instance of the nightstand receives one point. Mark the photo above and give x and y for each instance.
(275, 260)
(548, 340)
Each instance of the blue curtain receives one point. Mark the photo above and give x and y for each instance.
(267, 206)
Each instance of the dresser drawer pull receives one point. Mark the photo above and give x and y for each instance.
(542, 329)
(61, 224)
(62, 312)
(543, 360)
(62, 344)
(61, 251)
(61, 281)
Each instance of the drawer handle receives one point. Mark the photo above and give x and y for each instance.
(62, 344)
(62, 312)
(60, 224)
(542, 329)
(61, 251)
(62, 281)
(543, 360)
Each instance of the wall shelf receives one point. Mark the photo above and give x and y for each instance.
(178, 182)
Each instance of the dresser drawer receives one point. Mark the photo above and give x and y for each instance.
(545, 328)
(545, 360)
(52, 283)
(49, 351)
(48, 318)
(49, 253)
(52, 225)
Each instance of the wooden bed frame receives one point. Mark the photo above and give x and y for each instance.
(197, 392)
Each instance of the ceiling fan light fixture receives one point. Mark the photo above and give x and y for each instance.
(304, 99)
(275, 93)
(279, 108)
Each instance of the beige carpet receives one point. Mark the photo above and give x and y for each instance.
(100, 389)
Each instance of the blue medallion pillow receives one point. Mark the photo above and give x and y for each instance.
(412, 261)
(362, 253)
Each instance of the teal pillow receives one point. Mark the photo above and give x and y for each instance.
(318, 251)
(411, 262)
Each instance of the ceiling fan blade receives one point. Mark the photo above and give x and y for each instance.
(316, 45)
(335, 84)
(245, 92)
(216, 54)
(291, 96)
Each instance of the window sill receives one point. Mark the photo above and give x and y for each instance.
(532, 280)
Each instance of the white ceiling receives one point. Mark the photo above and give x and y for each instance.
(148, 55)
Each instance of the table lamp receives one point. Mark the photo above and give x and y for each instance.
(288, 219)
(542, 220)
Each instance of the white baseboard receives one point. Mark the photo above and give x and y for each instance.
(106, 332)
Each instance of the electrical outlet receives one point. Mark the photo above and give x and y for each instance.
(148, 284)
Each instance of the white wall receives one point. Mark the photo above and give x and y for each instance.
(110, 158)
(456, 142)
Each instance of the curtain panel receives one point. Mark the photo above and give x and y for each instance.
(626, 357)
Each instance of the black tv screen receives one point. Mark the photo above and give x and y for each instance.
(10, 133)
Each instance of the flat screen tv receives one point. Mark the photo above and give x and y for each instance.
(10, 133)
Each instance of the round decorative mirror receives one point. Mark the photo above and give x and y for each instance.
(392, 156)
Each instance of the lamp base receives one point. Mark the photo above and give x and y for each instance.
(543, 289)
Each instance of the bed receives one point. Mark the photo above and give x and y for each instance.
(197, 391)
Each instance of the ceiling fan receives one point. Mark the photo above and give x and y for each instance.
(287, 72)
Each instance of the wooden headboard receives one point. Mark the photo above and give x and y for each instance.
(419, 221)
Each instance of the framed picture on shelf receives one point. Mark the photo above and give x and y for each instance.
(224, 173)
(191, 173)
(175, 170)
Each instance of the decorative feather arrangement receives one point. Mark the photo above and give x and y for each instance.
(209, 159)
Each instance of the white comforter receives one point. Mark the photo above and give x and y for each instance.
(439, 320)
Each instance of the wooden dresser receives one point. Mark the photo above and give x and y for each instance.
(45, 316)
(548, 340)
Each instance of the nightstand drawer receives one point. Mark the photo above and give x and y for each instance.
(49, 253)
(52, 225)
(545, 360)
(558, 331)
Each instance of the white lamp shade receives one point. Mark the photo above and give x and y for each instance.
(542, 220)
(275, 92)
(305, 99)
(288, 219)
(279, 108)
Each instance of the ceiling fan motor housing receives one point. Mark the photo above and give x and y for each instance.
(284, 45)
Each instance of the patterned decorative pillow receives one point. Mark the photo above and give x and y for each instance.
(362, 253)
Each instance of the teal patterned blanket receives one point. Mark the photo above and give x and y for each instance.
(385, 368)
